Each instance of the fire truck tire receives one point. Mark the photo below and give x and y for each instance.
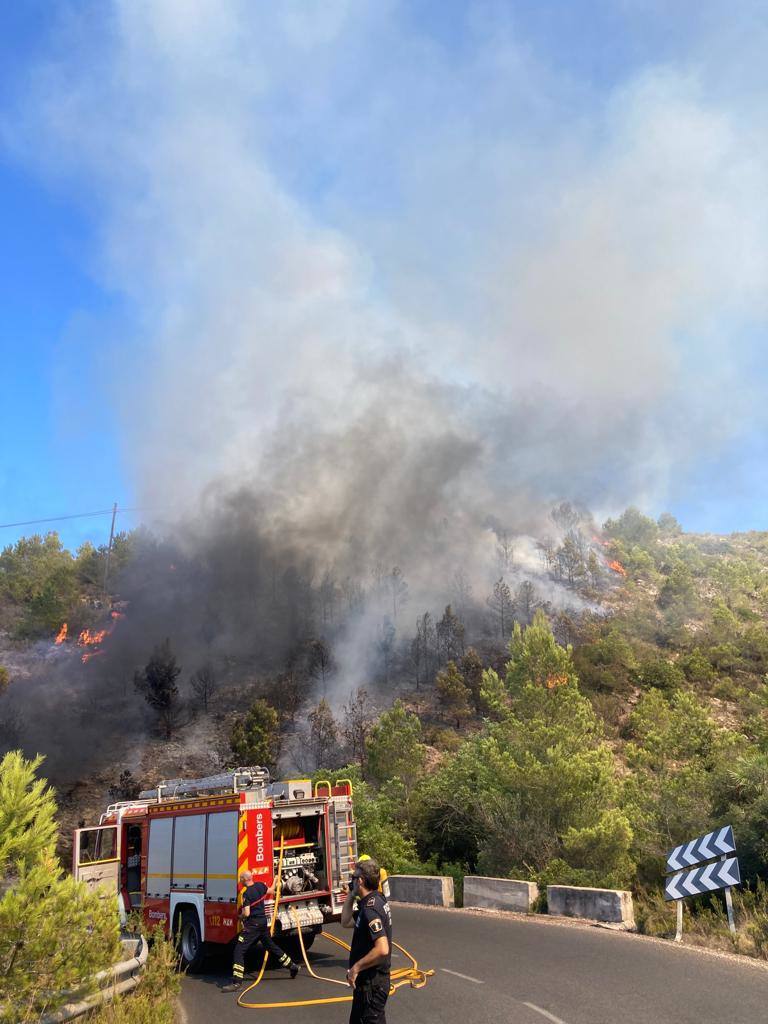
(290, 943)
(189, 941)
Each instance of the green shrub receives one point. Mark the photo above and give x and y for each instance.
(382, 831)
(726, 689)
(443, 739)
(656, 671)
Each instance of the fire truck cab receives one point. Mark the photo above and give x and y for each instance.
(174, 855)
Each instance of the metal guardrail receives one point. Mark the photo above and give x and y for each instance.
(114, 981)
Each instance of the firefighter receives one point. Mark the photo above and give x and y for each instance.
(370, 955)
(255, 931)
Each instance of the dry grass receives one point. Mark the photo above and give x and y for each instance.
(705, 923)
(154, 999)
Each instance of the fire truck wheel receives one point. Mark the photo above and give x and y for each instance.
(290, 943)
(189, 941)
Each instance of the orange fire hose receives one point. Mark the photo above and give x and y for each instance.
(413, 975)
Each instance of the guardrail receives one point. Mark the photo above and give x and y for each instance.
(114, 981)
(606, 906)
(484, 893)
(613, 907)
(429, 890)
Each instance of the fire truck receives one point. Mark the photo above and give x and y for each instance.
(175, 853)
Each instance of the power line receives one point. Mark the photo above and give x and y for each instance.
(76, 515)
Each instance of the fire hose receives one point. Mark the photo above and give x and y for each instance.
(413, 975)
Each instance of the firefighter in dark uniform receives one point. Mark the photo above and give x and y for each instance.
(370, 956)
(255, 930)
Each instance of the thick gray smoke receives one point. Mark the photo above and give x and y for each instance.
(310, 237)
(379, 312)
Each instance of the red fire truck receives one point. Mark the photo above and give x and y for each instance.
(175, 854)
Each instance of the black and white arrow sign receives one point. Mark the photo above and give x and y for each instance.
(719, 875)
(713, 844)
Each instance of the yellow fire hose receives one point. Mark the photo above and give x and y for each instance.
(274, 918)
(413, 975)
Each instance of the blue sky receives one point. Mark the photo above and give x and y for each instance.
(334, 118)
(51, 462)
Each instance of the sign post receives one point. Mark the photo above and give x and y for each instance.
(729, 905)
(707, 877)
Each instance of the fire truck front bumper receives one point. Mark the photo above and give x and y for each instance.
(307, 915)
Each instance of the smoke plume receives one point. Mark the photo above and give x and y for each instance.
(382, 296)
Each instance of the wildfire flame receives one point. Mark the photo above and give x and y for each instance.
(603, 543)
(87, 638)
(93, 638)
(559, 679)
(617, 567)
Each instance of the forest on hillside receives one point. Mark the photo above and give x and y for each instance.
(570, 723)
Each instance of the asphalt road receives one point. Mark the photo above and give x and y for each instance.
(517, 971)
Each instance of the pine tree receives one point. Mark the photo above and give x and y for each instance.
(536, 657)
(472, 673)
(525, 601)
(157, 682)
(255, 739)
(203, 684)
(396, 754)
(323, 734)
(500, 603)
(453, 693)
(55, 934)
(27, 808)
(321, 663)
(398, 590)
(358, 720)
(424, 651)
(450, 637)
(395, 749)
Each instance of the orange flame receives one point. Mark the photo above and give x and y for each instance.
(93, 638)
(603, 543)
(61, 636)
(617, 567)
(560, 679)
(87, 638)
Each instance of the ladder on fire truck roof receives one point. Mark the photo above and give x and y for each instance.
(236, 781)
(344, 839)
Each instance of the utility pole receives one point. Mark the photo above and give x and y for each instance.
(109, 547)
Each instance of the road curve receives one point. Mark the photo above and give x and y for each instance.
(518, 971)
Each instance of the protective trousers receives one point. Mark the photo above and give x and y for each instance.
(369, 1001)
(247, 940)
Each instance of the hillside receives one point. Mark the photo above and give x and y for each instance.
(570, 724)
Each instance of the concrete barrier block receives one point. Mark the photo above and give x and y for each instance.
(610, 906)
(432, 890)
(499, 893)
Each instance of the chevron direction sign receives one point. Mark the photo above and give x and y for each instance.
(719, 875)
(713, 844)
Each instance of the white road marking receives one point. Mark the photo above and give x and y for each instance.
(466, 977)
(544, 1013)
